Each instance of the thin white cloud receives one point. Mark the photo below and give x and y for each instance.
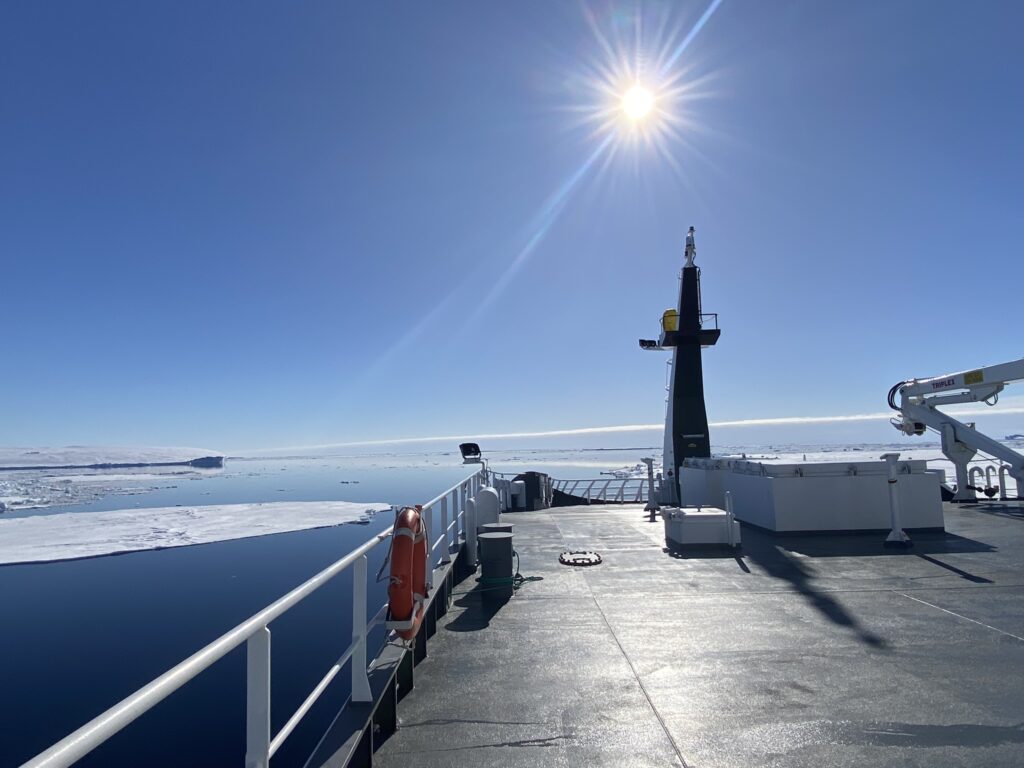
(781, 420)
(768, 422)
(797, 420)
(473, 436)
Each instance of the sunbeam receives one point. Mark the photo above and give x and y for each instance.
(694, 31)
(540, 227)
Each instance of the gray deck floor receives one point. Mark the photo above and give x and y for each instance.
(804, 651)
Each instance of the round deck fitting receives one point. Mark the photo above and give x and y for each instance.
(579, 557)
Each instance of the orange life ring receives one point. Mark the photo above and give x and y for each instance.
(407, 590)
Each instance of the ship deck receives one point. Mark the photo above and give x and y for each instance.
(798, 651)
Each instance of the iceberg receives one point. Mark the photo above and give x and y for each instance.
(74, 535)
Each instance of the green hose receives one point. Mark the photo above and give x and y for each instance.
(515, 581)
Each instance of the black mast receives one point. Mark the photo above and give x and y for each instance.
(686, 423)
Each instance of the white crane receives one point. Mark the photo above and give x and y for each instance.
(919, 400)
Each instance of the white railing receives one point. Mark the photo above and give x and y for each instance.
(618, 490)
(260, 745)
(994, 474)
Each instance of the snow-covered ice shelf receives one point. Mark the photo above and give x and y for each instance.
(71, 535)
(91, 456)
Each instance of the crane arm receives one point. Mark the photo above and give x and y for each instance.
(977, 385)
(918, 408)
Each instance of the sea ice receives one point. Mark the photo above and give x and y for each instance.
(22, 489)
(70, 535)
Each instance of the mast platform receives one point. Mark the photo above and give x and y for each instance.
(796, 651)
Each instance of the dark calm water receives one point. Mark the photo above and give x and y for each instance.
(77, 636)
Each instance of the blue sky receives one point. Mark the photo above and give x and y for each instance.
(249, 224)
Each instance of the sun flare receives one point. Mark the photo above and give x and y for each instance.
(637, 102)
(637, 90)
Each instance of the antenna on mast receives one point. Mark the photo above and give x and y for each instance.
(691, 247)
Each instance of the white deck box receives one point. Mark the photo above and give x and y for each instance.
(825, 496)
(699, 527)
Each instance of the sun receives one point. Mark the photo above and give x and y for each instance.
(635, 95)
(637, 103)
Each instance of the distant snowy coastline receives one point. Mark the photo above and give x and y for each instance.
(75, 535)
(104, 457)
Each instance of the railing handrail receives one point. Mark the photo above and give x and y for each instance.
(80, 742)
(565, 483)
(612, 489)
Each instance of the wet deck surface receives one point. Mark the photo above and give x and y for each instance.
(802, 651)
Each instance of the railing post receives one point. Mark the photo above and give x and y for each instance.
(360, 682)
(428, 522)
(463, 496)
(471, 558)
(257, 700)
(446, 554)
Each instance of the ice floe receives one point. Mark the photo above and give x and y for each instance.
(71, 535)
(33, 489)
